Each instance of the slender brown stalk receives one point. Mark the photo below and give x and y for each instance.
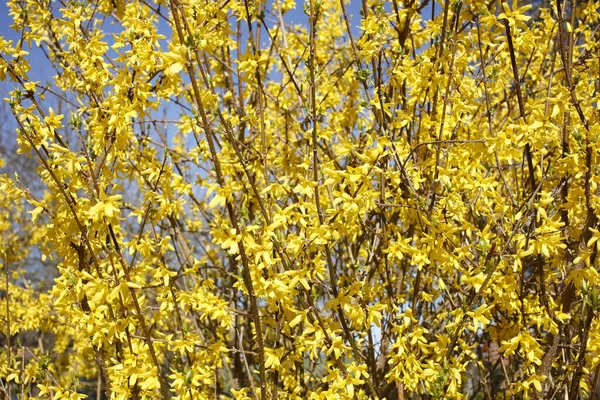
(8, 331)
(521, 100)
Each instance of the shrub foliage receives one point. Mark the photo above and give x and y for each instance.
(261, 200)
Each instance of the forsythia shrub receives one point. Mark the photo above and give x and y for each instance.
(270, 200)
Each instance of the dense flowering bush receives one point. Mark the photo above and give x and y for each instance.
(262, 200)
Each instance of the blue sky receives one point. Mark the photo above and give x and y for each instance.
(39, 64)
(42, 71)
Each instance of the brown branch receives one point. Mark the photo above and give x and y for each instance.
(521, 101)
